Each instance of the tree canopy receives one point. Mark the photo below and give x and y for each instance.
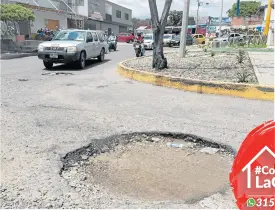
(140, 22)
(15, 12)
(174, 18)
(247, 8)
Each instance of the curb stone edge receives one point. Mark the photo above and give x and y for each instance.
(248, 91)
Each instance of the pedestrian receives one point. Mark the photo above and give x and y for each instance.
(106, 35)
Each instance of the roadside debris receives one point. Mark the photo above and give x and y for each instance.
(209, 150)
(175, 145)
(155, 139)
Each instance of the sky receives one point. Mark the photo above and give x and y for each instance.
(140, 8)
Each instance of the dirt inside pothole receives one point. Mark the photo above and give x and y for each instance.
(154, 171)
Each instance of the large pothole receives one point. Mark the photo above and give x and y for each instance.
(152, 167)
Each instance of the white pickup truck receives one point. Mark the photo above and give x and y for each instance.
(73, 46)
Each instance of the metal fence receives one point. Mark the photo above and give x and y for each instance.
(256, 40)
(9, 29)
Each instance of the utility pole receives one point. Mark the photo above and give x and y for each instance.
(220, 24)
(184, 26)
(197, 17)
(238, 8)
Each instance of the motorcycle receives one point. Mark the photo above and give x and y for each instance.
(138, 49)
(112, 44)
(45, 36)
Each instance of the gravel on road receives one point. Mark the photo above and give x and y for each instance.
(202, 66)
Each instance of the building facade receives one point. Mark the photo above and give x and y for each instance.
(81, 14)
(54, 14)
(107, 16)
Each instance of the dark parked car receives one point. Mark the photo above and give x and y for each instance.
(176, 41)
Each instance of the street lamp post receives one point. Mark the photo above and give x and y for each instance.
(197, 17)
(184, 27)
(220, 23)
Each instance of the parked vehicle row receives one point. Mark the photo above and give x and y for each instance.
(73, 46)
(174, 40)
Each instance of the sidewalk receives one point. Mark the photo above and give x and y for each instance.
(263, 64)
(8, 56)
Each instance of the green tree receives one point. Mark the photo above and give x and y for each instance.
(174, 18)
(15, 12)
(247, 8)
(135, 21)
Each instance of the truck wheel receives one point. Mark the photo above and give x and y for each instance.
(101, 56)
(131, 41)
(48, 65)
(81, 63)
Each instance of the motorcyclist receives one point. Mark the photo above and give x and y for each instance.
(113, 36)
(138, 41)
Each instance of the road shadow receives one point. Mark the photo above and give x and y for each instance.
(72, 67)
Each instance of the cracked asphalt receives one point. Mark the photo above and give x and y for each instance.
(43, 117)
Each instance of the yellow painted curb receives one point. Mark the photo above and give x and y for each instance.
(247, 91)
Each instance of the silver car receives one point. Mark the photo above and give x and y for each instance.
(148, 41)
(72, 46)
(228, 37)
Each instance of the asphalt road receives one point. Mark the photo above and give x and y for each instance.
(43, 117)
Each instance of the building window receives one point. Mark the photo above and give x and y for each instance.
(109, 31)
(108, 17)
(46, 22)
(79, 2)
(118, 14)
(126, 16)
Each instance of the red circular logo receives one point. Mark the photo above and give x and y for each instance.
(253, 172)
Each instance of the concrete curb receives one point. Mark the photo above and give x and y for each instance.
(245, 49)
(14, 56)
(247, 91)
(256, 70)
